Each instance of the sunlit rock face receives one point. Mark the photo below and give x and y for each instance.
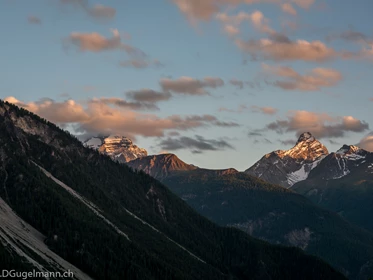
(119, 148)
(287, 167)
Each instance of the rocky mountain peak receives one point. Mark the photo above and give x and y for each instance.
(348, 149)
(306, 136)
(307, 148)
(160, 166)
(286, 167)
(119, 148)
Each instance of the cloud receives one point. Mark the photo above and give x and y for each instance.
(260, 22)
(191, 86)
(232, 23)
(333, 142)
(240, 109)
(148, 95)
(113, 115)
(34, 20)
(288, 142)
(198, 143)
(288, 8)
(226, 124)
(237, 83)
(367, 142)
(102, 12)
(99, 12)
(58, 112)
(350, 35)
(280, 48)
(263, 141)
(305, 4)
(361, 39)
(140, 63)
(264, 110)
(315, 80)
(94, 42)
(204, 118)
(173, 133)
(319, 124)
(125, 104)
(196, 10)
(254, 133)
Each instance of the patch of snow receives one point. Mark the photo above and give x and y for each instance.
(18, 234)
(341, 151)
(343, 168)
(297, 176)
(354, 156)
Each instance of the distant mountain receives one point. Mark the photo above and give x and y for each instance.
(285, 168)
(119, 148)
(64, 206)
(343, 182)
(269, 212)
(160, 166)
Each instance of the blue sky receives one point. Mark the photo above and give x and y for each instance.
(219, 83)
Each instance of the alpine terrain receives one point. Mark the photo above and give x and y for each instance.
(266, 211)
(119, 148)
(343, 182)
(64, 206)
(285, 168)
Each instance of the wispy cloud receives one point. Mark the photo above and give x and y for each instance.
(198, 143)
(114, 115)
(191, 86)
(148, 95)
(367, 142)
(34, 20)
(98, 11)
(197, 10)
(321, 125)
(237, 83)
(314, 80)
(264, 110)
(280, 48)
(95, 42)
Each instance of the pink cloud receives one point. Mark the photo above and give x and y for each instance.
(191, 86)
(204, 9)
(113, 115)
(322, 125)
(314, 80)
(281, 48)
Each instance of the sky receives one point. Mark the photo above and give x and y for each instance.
(219, 83)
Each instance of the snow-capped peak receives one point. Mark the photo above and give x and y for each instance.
(351, 152)
(307, 148)
(348, 149)
(119, 148)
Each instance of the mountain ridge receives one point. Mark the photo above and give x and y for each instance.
(286, 167)
(271, 213)
(139, 206)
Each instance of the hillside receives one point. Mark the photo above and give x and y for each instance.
(272, 213)
(78, 208)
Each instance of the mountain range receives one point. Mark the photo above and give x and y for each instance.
(288, 167)
(340, 181)
(266, 211)
(65, 206)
